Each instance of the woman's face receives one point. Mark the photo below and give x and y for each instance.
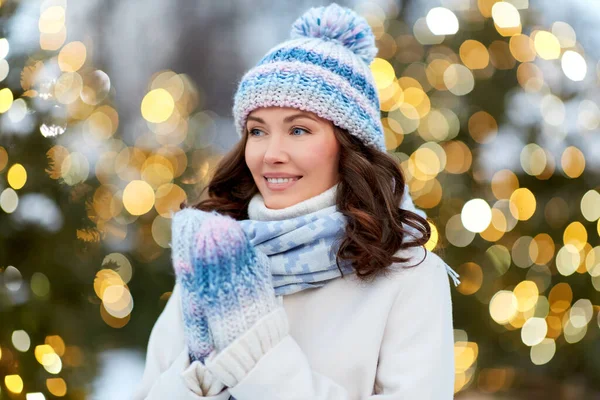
(296, 150)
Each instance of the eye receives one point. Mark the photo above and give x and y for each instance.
(251, 132)
(299, 129)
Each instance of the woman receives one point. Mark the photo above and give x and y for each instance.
(304, 274)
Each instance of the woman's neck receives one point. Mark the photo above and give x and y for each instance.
(257, 210)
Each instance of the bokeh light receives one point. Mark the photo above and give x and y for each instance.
(17, 176)
(458, 79)
(40, 284)
(522, 204)
(534, 331)
(72, 57)
(21, 340)
(56, 386)
(383, 73)
(526, 293)
(474, 54)
(457, 233)
(4, 47)
(483, 127)
(13, 383)
(458, 157)
(567, 260)
(442, 21)
(505, 15)
(6, 100)
(157, 106)
(564, 33)
(543, 352)
(9, 200)
(476, 215)
(546, 45)
(522, 48)
(471, 278)
(572, 162)
(503, 306)
(573, 65)
(138, 197)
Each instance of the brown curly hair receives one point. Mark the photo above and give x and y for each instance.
(366, 195)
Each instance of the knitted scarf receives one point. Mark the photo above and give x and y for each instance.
(302, 249)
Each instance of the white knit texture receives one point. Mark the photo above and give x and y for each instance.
(257, 210)
(233, 363)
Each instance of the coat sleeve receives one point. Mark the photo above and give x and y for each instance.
(168, 372)
(416, 359)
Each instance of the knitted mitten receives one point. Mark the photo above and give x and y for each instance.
(184, 227)
(234, 279)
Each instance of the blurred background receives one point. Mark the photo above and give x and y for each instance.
(114, 112)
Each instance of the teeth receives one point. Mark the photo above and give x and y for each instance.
(280, 180)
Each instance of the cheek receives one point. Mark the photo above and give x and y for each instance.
(320, 155)
(252, 158)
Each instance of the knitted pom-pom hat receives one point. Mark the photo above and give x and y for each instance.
(324, 69)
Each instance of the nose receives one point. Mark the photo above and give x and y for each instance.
(276, 151)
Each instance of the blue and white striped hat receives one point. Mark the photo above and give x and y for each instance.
(324, 69)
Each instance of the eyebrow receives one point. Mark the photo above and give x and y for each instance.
(286, 119)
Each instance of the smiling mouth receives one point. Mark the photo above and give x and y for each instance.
(276, 181)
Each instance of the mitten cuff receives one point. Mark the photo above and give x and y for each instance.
(201, 380)
(232, 364)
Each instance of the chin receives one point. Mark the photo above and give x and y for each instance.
(279, 200)
(275, 203)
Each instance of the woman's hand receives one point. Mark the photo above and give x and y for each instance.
(185, 226)
(233, 279)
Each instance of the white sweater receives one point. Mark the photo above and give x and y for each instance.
(388, 340)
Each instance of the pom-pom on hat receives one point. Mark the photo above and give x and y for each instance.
(323, 68)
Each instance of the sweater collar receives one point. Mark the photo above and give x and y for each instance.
(258, 211)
